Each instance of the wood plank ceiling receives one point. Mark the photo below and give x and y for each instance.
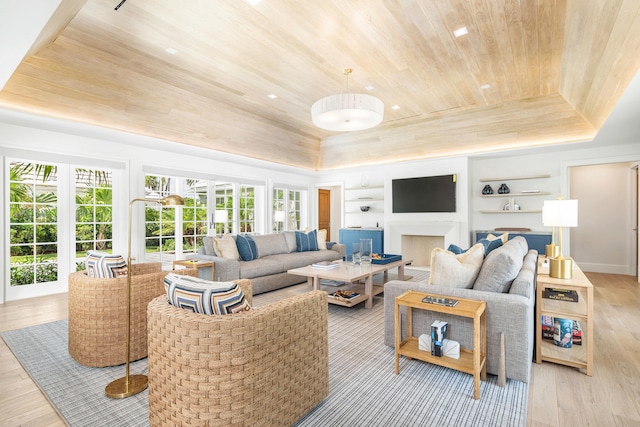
(528, 73)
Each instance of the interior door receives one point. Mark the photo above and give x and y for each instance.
(324, 211)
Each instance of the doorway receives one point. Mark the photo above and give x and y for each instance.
(324, 211)
(605, 239)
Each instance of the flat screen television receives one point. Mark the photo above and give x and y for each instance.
(424, 194)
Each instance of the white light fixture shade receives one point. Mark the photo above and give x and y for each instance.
(560, 213)
(221, 215)
(278, 216)
(347, 112)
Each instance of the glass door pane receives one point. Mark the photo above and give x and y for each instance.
(33, 229)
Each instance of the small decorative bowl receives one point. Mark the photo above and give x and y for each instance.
(364, 208)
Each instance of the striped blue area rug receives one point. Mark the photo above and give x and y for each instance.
(74, 390)
(364, 389)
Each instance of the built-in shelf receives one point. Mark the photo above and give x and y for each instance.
(514, 195)
(373, 199)
(514, 178)
(377, 187)
(539, 193)
(511, 212)
(371, 196)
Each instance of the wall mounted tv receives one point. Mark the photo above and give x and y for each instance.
(425, 194)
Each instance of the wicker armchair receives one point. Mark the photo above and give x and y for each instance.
(265, 367)
(98, 314)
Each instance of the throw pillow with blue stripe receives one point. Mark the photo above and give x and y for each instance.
(307, 241)
(489, 245)
(246, 247)
(204, 296)
(105, 266)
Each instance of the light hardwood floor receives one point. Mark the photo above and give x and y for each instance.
(558, 395)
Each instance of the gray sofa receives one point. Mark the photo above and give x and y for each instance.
(277, 253)
(511, 312)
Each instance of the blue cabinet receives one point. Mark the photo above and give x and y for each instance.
(348, 236)
(535, 240)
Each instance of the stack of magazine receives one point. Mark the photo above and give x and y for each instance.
(344, 295)
(324, 265)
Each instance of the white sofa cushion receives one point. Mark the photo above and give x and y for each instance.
(322, 240)
(458, 271)
(226, 247)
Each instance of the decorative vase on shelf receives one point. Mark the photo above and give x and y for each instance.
(503, 189)
(487, 189)
(511, 205)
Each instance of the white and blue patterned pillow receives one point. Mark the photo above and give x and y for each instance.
(203, 296)
(307, 241)
(105, 266)
(246, 247)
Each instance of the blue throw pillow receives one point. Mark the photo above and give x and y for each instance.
(456, 249)
(246, 247)
(307, 241)
(490, 245)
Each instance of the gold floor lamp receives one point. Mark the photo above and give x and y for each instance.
(133, 384)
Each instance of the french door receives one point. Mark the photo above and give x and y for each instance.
(55, 213)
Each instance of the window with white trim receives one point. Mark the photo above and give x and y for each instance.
(288, 210)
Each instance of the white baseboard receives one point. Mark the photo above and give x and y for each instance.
(595, 267)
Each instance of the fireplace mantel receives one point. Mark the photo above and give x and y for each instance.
(448, 231)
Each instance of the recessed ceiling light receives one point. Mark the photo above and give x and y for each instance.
(272, 96)
(460, 32)
(369, 87)
(171, 50)
(395, 107)
(485, 86)
(253, 2)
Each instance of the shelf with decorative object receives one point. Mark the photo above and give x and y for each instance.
(538, 193)
(515, 178)
(503, 191)
(495, 211)
(366, 199)
(364, 194)
(363, 205)
(374, 187)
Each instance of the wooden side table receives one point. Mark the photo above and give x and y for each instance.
(581, 310)
(194, 263)
(472, 362)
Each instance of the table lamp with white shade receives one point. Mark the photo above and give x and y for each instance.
(560, 213)
(222, 217)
